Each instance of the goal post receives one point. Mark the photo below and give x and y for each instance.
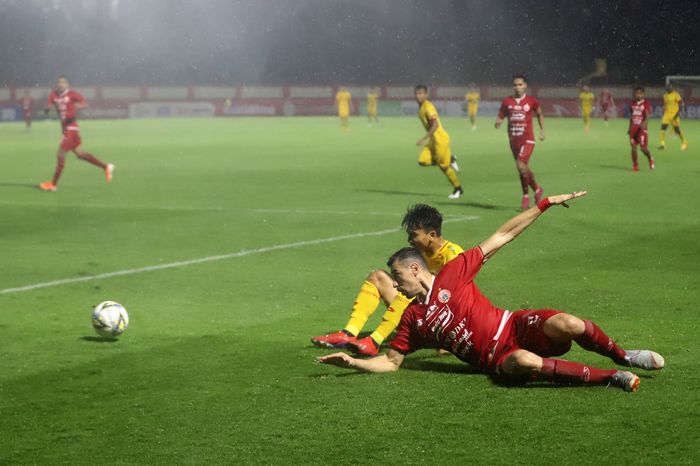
(683, 79)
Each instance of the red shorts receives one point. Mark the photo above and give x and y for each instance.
(526, 331)
(71, 140)
(604, 107)
(639, 136)
(27, 114)
(522, 150)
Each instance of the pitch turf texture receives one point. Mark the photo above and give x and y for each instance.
(216, 366)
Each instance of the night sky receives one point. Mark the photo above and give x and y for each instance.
(344, 42)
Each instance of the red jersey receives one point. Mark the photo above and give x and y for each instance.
(639, 110)
(27, 103)
(519, 112)
(455, 316)
(65, 107)
(605, 99)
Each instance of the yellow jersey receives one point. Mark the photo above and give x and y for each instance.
(586, 99)
(372, 103)
(343, 98)
(672, 102)
(427, 113)
(472, 97)
(446, 253)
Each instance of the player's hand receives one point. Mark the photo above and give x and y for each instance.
(337, 359)
(541, 135)
(497, 124)
(562, 198)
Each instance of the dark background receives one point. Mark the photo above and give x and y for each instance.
(350, 42)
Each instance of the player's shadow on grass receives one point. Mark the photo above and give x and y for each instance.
(615, 167)
(9, 184)
(477, 205)
(446, 367)
(398, 193)
(95, 339)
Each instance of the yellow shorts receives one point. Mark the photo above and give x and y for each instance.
(472, 109)
(343, 114)
(668, 119)
(436, 154)
(586, 112)
(372, 111)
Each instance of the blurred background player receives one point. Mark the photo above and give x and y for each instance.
(472, 98)
(586, 98)
(605, 103)
(372, 97)
(640, 111)
(423, 224)
(673, 105)
(67, 102)
(343, 101)
(436, 143)
(518, 108)
(27, 103)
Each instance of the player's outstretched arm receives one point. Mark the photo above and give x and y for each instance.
(513, 227)
(388, 362)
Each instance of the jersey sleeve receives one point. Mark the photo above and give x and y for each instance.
(78, 97)
(430, 112)
(404, 342)
(535, 104)
(472, 260)
(503, 110)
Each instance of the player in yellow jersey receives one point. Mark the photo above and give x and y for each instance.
(372, 97)
(343, 100)
(472, 98)
(436, 142)
(423, 224)
(673, 104)
(586, 98)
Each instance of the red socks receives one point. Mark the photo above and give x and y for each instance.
(559, 370)
(593, 339)
(531, 178)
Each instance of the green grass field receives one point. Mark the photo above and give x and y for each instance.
(216, 366)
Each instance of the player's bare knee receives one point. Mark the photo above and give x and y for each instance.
(379, 278)
(521, 362)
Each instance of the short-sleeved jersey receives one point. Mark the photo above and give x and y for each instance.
(343, 99)
(27, 103)
(586, 99)
(672, 102)
(519, 112)
(639, 111)
(442, 256)
(472, 97)
(65, 107)
(605, 98)
(427, 113)
(455, 315)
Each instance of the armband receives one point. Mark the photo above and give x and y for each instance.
(544, 204)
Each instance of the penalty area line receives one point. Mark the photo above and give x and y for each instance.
(203, 260)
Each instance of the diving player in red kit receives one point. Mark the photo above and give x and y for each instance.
(27, 103)
(518, 108)
(449, 312)
(640, 111)
(67, 103)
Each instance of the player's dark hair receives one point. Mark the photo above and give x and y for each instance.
(520, 76)
(407, 255)
(422, 216)
(421, 86)
(638, 88)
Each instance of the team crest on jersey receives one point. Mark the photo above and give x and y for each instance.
(444, 296)
(526, 107)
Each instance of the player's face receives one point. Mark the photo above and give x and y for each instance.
(406, 278)
(61, 84)
(519, 86)
(421, 239)
(638, 95)
(421, 95)
(669, 87)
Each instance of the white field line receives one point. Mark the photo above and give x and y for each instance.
(202, 260)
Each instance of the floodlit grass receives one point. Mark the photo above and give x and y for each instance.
(216, 366)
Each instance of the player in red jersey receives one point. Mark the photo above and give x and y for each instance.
(27, 103)
(449, 312)
(606, 104)
(518, 108)
(640, 111)
(67, 103)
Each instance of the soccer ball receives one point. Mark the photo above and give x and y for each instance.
(109, 319)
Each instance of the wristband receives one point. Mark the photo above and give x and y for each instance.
(544, 204)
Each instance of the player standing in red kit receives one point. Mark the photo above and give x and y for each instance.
(449, 312)
(606, 104)
(67, 103)
(518, 108)
(27, 103)
(640, 111)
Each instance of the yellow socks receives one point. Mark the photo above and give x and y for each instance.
(391, 318)
(366, 303)
(662, 138)
(452, 176)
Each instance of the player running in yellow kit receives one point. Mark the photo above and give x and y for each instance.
(372, 97)
(472, 98)
(586, 98)
(673, 104)
(343, 101)
(436, 142)
(423, 224)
